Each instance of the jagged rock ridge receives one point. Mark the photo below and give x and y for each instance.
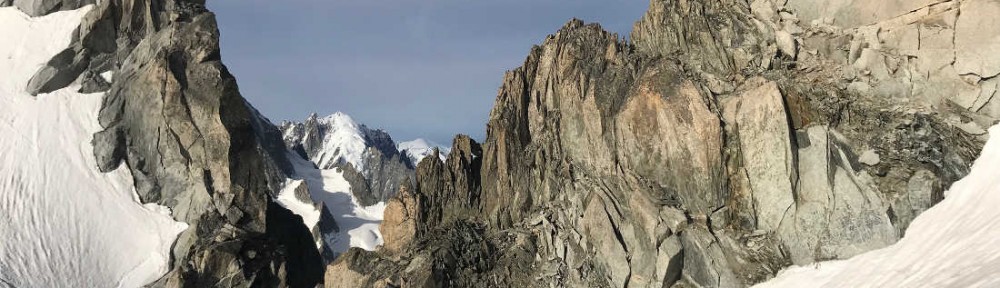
(726, 141)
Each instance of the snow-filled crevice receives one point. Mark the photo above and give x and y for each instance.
(62, 222)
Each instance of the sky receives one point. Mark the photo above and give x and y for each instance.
(415, 68)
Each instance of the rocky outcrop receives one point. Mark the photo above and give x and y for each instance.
(174, 116)
(401, 220)
(385, 170)
(449, 191)
(715, 38)
(726, 141)
(758, 119)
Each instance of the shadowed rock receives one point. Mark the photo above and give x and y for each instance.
(174, 115)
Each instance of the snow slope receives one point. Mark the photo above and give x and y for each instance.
(62, 222)
(309, 212)
(358, 225)
(419, 148)
(956, 243)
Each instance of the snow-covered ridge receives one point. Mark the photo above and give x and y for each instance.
(64, 223)
(344, 142)
(336, 139)
(956, 243)
(419, 148)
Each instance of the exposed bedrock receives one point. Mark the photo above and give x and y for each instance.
(174, 116)
(725, 142)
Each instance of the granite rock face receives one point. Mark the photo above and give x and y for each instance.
(174, 116)
(726, 141)
(399, 224)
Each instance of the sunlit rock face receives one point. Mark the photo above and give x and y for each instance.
(724, 142)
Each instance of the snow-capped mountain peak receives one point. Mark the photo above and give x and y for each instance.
(376, 166)
(329, 141)
(420, 148)
(344, 141)
(354, 195)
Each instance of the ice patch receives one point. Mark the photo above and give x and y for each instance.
(286, 198)
(108, 76)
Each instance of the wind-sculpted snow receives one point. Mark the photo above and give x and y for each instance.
(62, 222)
(954, 244)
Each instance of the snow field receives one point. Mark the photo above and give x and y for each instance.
(62, 222)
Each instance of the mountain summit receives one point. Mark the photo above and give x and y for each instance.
(368, 157)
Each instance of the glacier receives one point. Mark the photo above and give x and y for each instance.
(64, 223)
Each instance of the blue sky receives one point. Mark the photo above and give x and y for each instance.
(416, 68)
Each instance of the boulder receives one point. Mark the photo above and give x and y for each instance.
(786, 43)
(869, 158)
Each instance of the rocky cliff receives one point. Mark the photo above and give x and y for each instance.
(174, 116)
(723, 142)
